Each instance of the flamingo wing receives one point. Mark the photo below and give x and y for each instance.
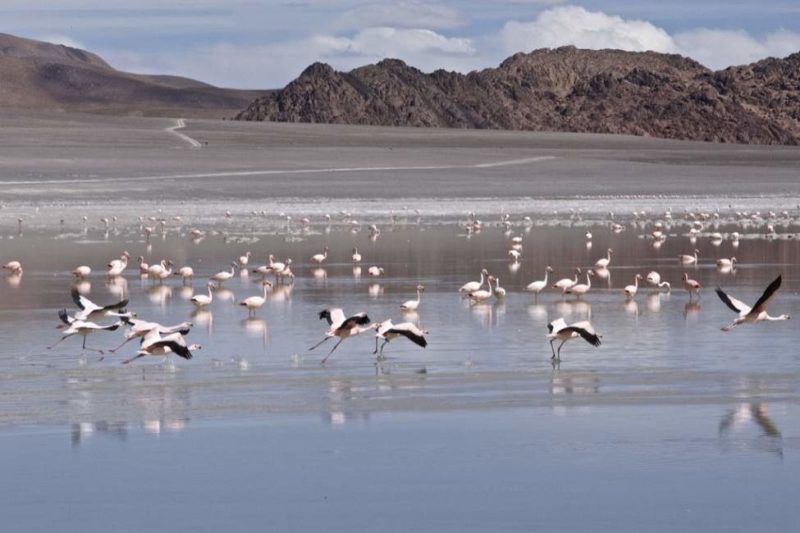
(333, 316)
(588, 336)
(65, 318)
(174, 346)
(737, 306)
(411, 332)
(769, 292)
(82, 301)
(361, 319)
(556, 325)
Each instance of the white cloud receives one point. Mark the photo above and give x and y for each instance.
(400, 14)
(722, 48)
(573, 25)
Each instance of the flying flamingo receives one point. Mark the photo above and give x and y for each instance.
(751, 315)
(155, 344)
(83, 328)
(388, 331)
(341, 327)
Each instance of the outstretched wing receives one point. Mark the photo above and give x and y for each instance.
(119, 305)
(556, 325)
(82, 301)
(769, 292)
(177, 348)
(411, 332)
(333, 316)
(737, 306)
(588, 336)
(361, 319)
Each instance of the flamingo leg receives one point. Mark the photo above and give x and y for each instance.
(385, 342)
(332, 350)
(319, 343)
(558, 354)
(121, 345)
(376, 346)
(134, 358)
(58, 341)
(553, 349)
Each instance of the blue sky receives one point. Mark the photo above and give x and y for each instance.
(266, 43)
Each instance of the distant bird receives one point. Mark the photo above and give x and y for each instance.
(726, 263)
(631, 290)
(559, 330)
(692, 286)
(473, 286)
(565, 283)
(223, 276)
(155, 344)
(375, 271)
(244, 259)
(356, 256)
(413, 305)
(538, 286)
(751, 315)
(82, 271)
(254, 303)
(388, 331)
(203, 300)
(689, 259)
(603, 262)
(185, 272)
(91, 311)
(580, 289)
(341, 327)
(117, 266)
(654, 279)
(83, 328)
(588, 235)
(515, 255)
(498, 291)
(320, 258)
(13, 267)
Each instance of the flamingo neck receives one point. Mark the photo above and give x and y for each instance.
(772, 318)
(546, 272)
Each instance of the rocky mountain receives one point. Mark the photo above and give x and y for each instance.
(563, 89)
(44, 76)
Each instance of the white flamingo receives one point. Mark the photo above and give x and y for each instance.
(565, 284)
(155, 344)
(91, 311)
(631, 290)
(559, 330)
(580, 289)
(356, 256)
(603, 262)
(117, 266)
(691, 285)
(473, 286)
(757, 313)
(375, 271)
(139, 328)
(223, 276)
(499, 292)
(320, 258)
(689, 259)
(13, 267)
(654, 279)
(538, 286)
(726, 263)
(82, 271)
(203, 300)
(83, 328)
(254, 303)
(185, 273)
(413, 305)
(482, 295)
(244, 259)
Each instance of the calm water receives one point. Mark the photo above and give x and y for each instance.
(670, 424)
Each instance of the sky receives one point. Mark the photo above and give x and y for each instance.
(266, 43)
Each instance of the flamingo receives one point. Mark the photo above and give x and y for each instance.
(726, 263)
(375, 271)
(117, 266)
(185, 272)
(691, 285)
(388, 331)
(499, 292)
(223, 276)
(244, 259)
(13, 267)
(565, 283)
(482, 295)
(140, 328)
(603, 262)
(82, 271)
(320, 258)
(538, 286)
(751, 315)
(559, 330)
(341, 327)
(91, 311)
(256, 302)
(413, 305)
(356, 256)
(689, 259)
(160, 271)
(580, 289)
(144, 268)
(473, 286)
(202, 300)
(631, 290)
(155, 344)
(515, 255)
(75, 326)
(654, 279)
